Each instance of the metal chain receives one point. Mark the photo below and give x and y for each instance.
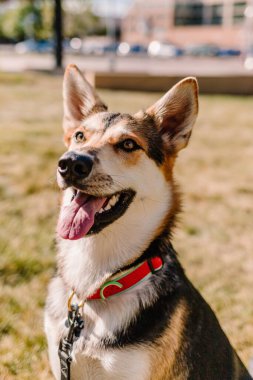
(75, 325)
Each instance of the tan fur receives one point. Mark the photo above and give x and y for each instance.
(68, 135)
(170, 218)
(139, 140)
(166, 352)
(133, 159)
(237, 368)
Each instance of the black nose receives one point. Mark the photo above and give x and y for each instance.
(75, 165)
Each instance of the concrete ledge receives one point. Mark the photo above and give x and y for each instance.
(234, 85)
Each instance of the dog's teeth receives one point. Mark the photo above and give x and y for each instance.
(113, 200)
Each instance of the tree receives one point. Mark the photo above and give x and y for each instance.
(31, 19)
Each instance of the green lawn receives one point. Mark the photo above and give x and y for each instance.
(214, 238)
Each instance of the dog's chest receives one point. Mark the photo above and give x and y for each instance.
(125, 364)
(92, 358)
(90, 361)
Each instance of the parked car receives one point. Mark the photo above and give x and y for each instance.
(202, 50)
(91, 48)
(110, 48)
(31, 45)
(138, 49)
(228, 52)
(164, 49)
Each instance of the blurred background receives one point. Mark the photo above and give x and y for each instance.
(132, 51)
(209, 38)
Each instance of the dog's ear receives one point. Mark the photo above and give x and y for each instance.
(175, 113)
(79, 99)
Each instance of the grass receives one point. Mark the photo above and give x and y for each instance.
(214, 237)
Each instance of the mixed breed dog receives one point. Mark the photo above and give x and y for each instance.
(120, 306)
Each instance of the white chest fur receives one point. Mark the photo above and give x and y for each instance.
(124, 364)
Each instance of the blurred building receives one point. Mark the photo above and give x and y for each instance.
(185, 22)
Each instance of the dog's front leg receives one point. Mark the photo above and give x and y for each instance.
(54, 321)
(51, 333)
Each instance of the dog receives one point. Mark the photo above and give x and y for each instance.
(120, 306)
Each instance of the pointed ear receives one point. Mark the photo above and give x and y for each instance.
(175, 113)
(79, 98)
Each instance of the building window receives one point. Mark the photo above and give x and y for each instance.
(238, 11)
(216, 14)
(198, 13)
(188, 14)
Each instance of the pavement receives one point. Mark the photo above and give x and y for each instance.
(181, 66)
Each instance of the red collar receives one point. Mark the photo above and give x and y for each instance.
(129, 279)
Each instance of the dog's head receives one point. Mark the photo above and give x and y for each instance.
(118, 167)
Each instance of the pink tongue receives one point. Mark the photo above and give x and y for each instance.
(77, 219)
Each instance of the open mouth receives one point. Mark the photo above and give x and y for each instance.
(88, 214)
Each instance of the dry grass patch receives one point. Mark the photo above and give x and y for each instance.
(215, 235)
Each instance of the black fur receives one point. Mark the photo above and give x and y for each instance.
(151, 322)
(111, 119)
(148, 129)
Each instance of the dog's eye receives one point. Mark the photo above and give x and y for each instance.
(79, 136)
(128, 145)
